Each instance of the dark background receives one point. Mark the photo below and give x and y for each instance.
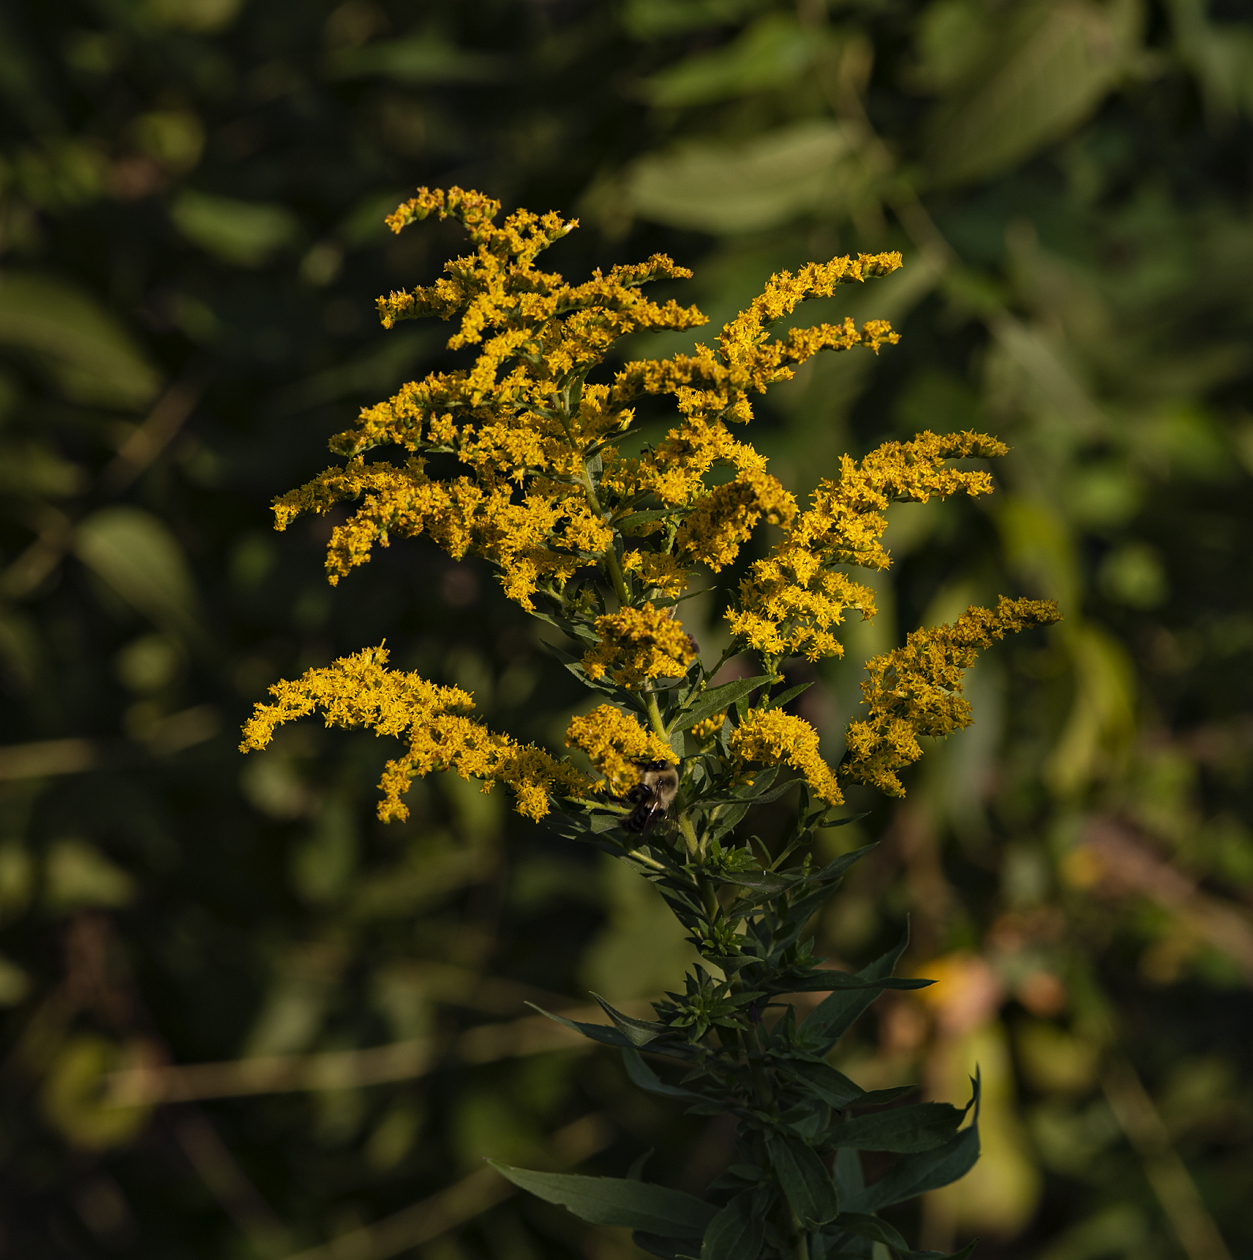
(191, 239)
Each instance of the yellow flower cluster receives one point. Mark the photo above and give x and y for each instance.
(725, 518)
(637, 644)
(705, 731)
(539, 488)
(771, 737)
(916, 689)
(360, 690)
(617, 745)
(791, 599)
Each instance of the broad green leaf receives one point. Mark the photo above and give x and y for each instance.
(915, 1174)
(834, 1088)
(245, 233)
(644, 1076)
(727, 188)
(1052, 66)
(904, 1130)
(615, 1201)
(832, 1018)
(89, 353)
(639, 1032)
(803, 1177)
(138, 556)
(594, 1032)
(709, 702)
(738, 1231)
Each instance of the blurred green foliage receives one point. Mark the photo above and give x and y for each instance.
(191, 196)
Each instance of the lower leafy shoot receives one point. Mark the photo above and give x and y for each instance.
(519, 460)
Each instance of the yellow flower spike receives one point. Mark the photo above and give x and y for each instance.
(771, 737)
(360, 690)
(617, 745)
(791, 599)
(917, 689)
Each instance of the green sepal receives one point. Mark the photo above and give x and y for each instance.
(903, 1131)
(617, 1201)
(803, 1178)
(738, 1231)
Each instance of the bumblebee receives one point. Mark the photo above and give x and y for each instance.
(652, 796)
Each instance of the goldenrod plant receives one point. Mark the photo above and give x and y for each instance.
(524, 461)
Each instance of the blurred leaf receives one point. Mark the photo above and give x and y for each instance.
(428, 58)
(647, 19)
(77, 874)
(758, 183)
(195, 15)
(769, 53)
(246, 233)
(1050, 67)
(73, 1092)
(89, 353)
(139, 557)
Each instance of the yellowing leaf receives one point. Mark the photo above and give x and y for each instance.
(90, 354)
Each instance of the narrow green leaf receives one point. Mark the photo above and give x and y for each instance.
(707, 703)
(594, 1032)
(639, 1032)
(644, 1076)
(818, 981)
(833, 870)
(616, 1201)
(790, 694)
(906, 1130)
(803, 1178)
(831, 1019)
(738, 1231)
(768, 882)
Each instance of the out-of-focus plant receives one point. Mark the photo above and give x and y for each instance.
(608, 544)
